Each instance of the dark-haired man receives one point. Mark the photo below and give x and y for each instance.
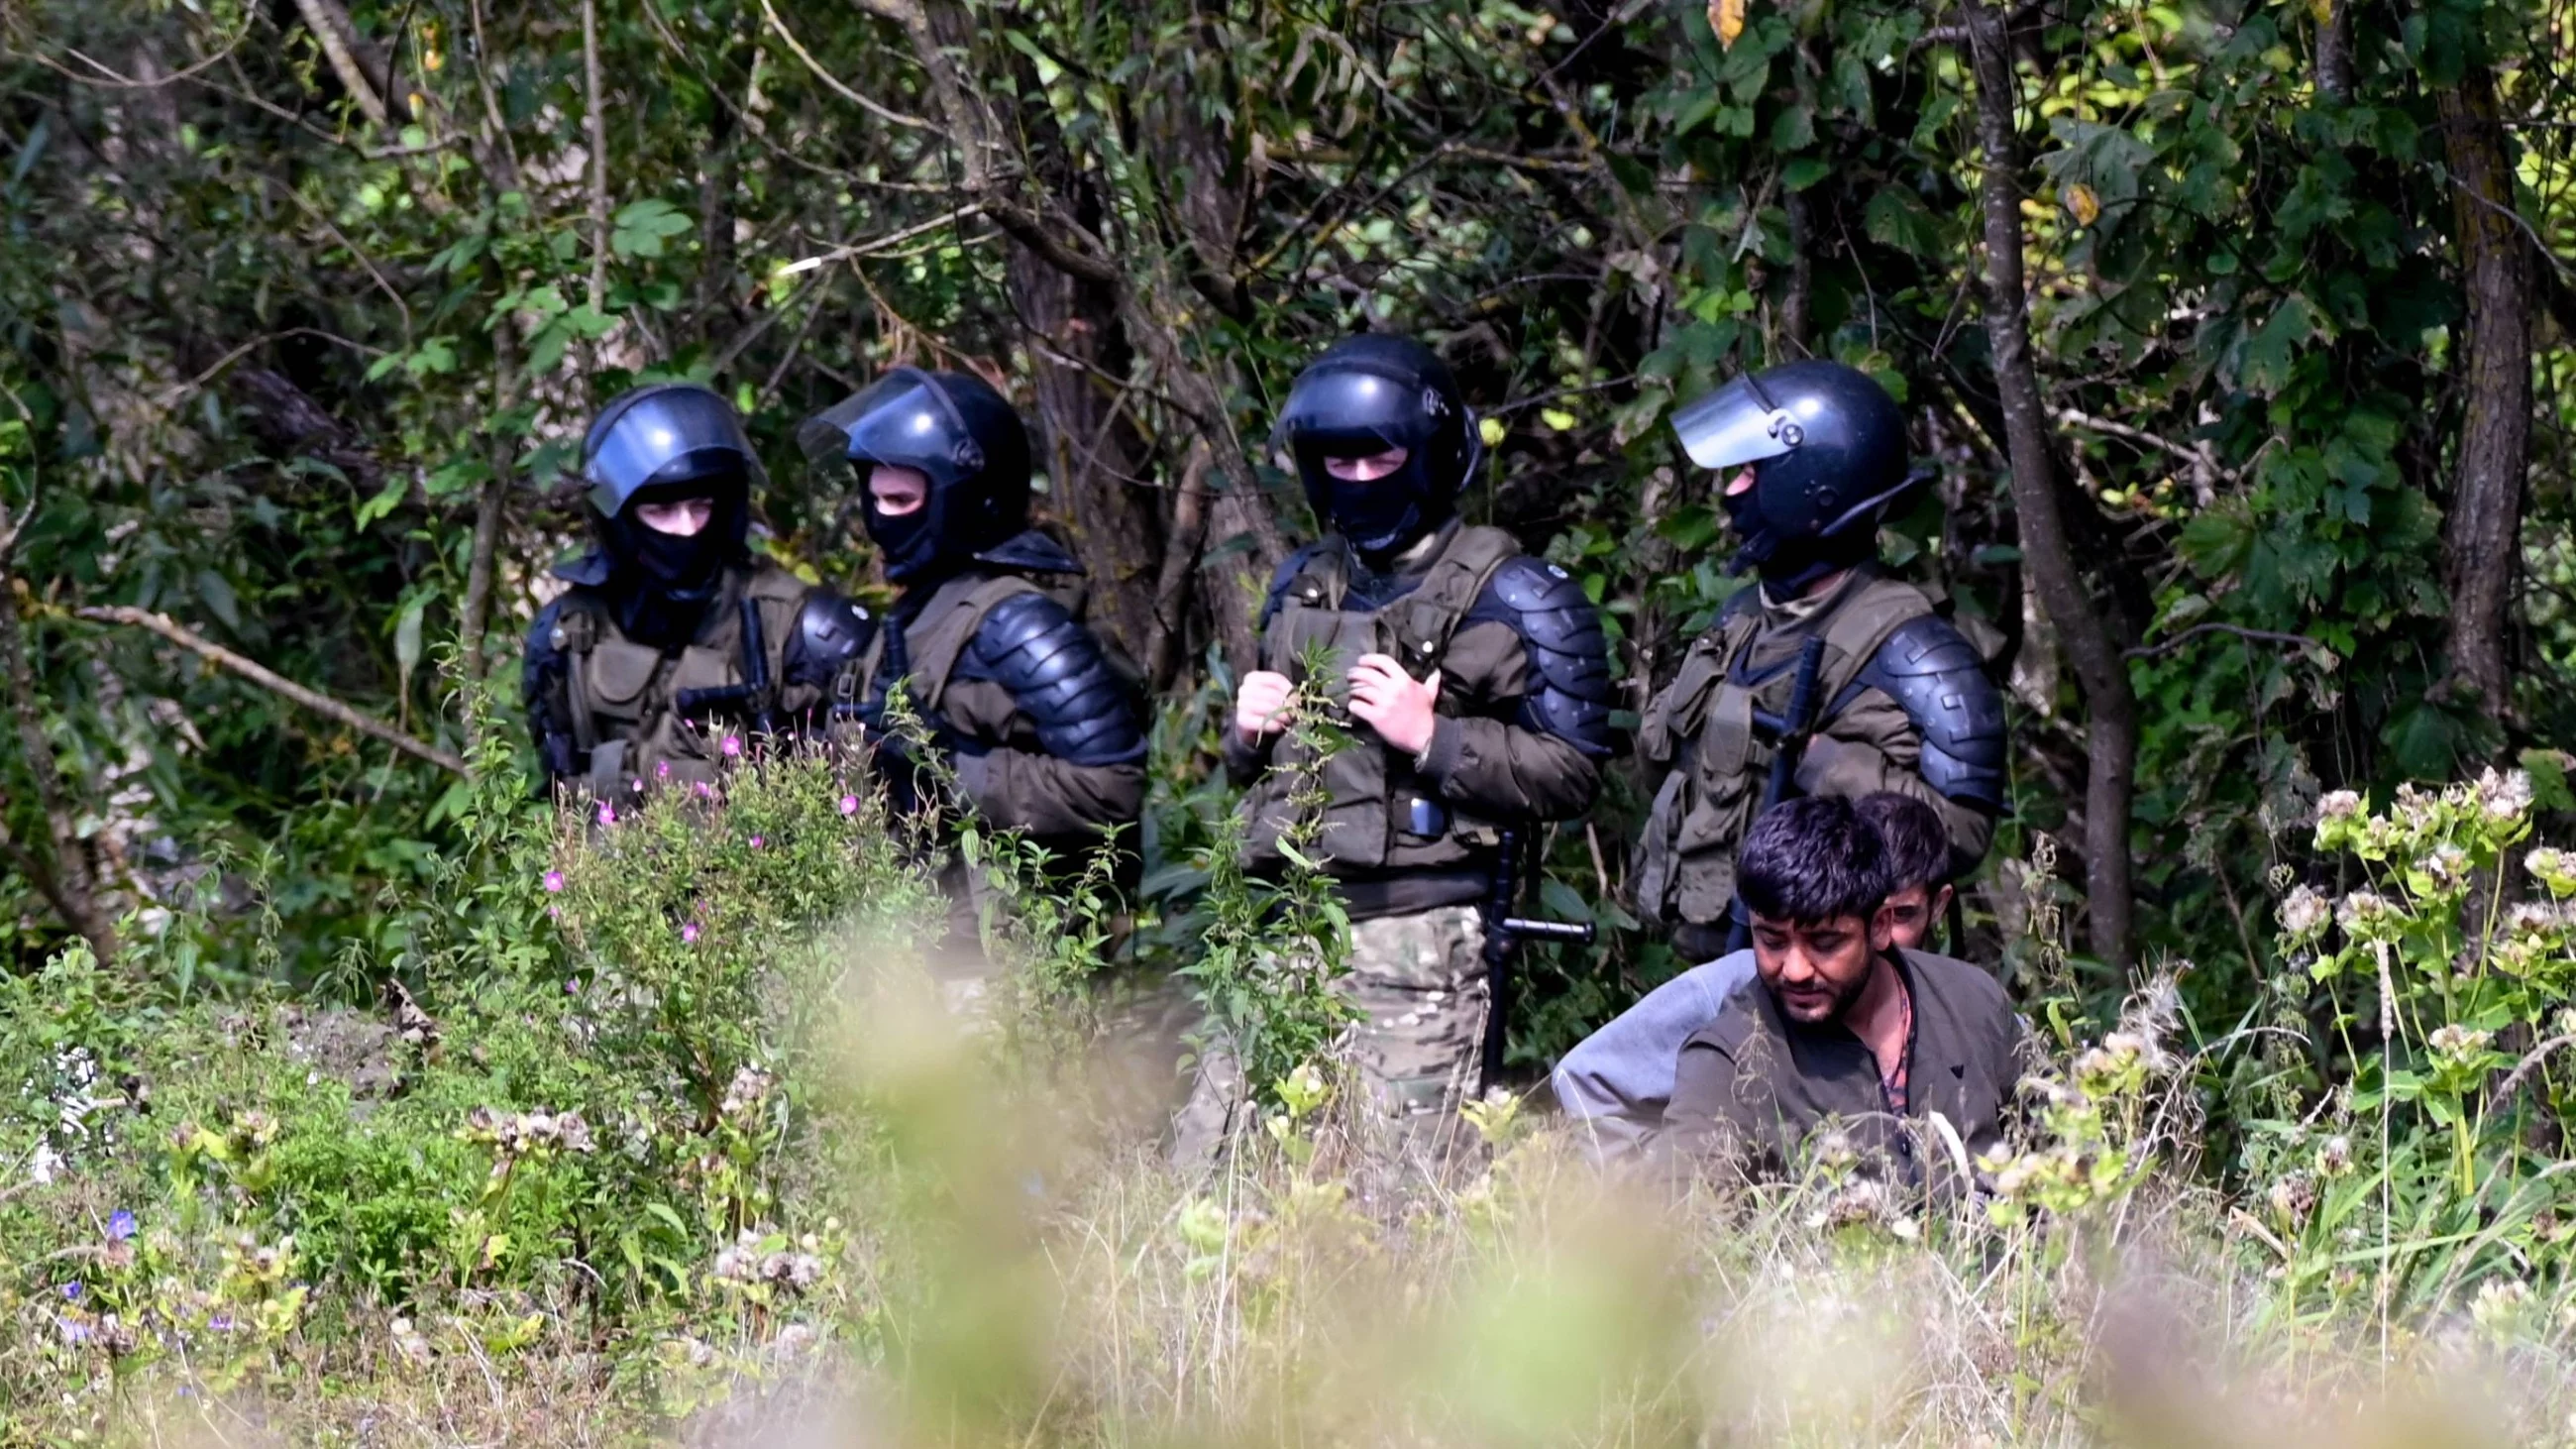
(1618, 1082)
(1843, 1026)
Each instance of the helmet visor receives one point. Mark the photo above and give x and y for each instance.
(1735, 425)
(669, 435)
(903, 420)
(1347, 412)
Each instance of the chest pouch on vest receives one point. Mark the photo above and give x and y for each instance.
(619, 675)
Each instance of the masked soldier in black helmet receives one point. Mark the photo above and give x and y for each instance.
(1044, 733)
(1816, 454)
(1476, 685)
(673, 639)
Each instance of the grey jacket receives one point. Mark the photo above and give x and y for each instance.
(1617, 1081)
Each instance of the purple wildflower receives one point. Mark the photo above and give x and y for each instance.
(554, 882)
(120, 1225)
(607, 813)
(732, 746)
(705, 790)
(72, 1291)
(662, 771)
(758, 841)
(849, 804)
(689, 934)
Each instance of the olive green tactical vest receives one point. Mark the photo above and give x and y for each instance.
(940, 633)
(631, 703)
(1702, 727)
(1379, 814)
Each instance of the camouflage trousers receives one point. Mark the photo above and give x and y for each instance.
(1419, 984)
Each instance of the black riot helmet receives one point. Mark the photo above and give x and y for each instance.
(959, 433)
(1370, 394)
(662, 443)
(1827, 447)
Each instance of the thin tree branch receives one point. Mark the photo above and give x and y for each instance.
(270, 680)
(2260, 636)
(832, 82)
(330, 26)
(2530, 1063)
(597, 122)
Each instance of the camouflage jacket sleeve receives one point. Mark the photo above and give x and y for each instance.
(1048, 737)
(1527, 680)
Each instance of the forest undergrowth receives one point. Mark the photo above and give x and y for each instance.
(664, 1131)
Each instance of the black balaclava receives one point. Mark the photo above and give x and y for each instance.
(662, 444)
(1367, 395)
(955, 430)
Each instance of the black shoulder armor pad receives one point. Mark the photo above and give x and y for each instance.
(1569, 655)
(1083, 711)
(831, 632)
(1934, 675)
(1030, 552)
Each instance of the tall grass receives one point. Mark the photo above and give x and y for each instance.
(689, 1147)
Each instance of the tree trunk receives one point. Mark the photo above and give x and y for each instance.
(2482, 538)
(2334, 51)
(1162, 657)
(1097, 464)
(66, 877)
(2111, 706)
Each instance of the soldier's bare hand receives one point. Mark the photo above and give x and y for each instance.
(1393, 703)
(1261, 704)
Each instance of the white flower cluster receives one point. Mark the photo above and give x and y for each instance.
(2338, 805)
(750, 1087)
(517, 1134)
(2363, 910)
(744, 1262)
(2304, 912)
(2459, 1043)
(2446, 865)
(2503, 797)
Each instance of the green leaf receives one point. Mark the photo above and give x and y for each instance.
(383, 503)
(1804, 172)
(217, 593)
(2548, 771)
(407, 630)
(640, 228)
(434, 356)
(1896, 217)
(2270, 352)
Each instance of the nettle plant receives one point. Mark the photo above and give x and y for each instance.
(2446, 967)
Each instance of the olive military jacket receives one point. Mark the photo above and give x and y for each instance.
(1903, 704)
(1045, 734)
(1523, 713)
(1752, 1087)
(614, 716)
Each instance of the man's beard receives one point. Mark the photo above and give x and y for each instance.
(1838, 1003)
